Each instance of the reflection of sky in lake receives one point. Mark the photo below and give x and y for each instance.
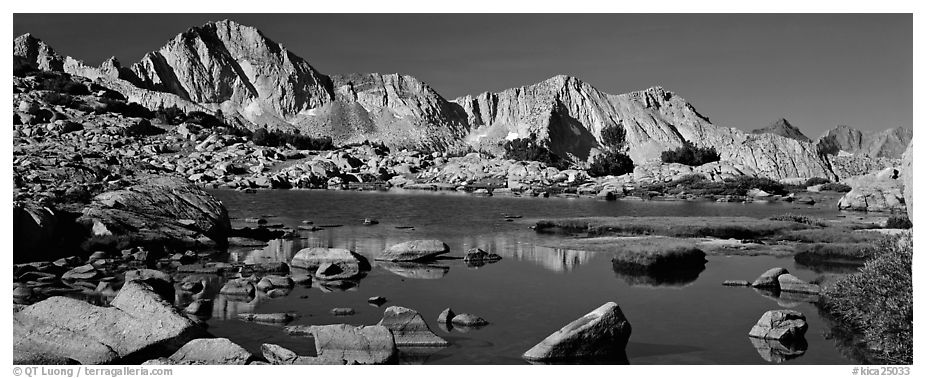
(531, 292)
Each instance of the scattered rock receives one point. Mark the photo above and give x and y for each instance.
(790, 283)
(342, 311)
(238, 287)
(138, 321)
(278, 317)
(271, 282)
(312, 258)
(600, 333)
(213, 352)
(736, 283)
(769, 279)
(409, 328)
(355, 345)
(277, 355)
(780, 325)
(415, 250)
(446, 316)
(476, 255)
(467, 320)
(376, 300)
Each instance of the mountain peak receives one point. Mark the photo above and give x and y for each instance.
(783, 128)
(31, 51)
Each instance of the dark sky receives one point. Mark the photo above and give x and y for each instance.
(743, 71)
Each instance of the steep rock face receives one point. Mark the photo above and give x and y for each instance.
(31, 51)
(568, 116)
(890, 143)
(398, 110)
(783, 128)
(236, 67)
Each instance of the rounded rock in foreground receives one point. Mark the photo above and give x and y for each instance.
(780, 325)
(603, 332)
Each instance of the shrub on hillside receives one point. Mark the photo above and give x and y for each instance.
(170, 116)
(205, 119)
(55, 98)
(610, 163)
(692, 155)
(130, 109)
(613, 136)
(264, 137)
(142, 128)
(527, 149)
(62, 83)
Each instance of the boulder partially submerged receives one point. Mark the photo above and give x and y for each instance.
(780, 325)
(603, 332)
(139, 323)
(414, 250)
(313, 258)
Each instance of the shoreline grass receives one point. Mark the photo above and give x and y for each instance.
(878, 301)
(686, 227)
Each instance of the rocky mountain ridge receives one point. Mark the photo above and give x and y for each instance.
(257, 82)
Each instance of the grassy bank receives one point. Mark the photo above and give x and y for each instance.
(683, 227)
(878, 301)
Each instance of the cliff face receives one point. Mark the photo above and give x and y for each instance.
(33, 52)
(398, 110)
(568, 115)
(890, 143)
(237, 68)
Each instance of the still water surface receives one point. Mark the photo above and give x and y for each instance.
(532, 292)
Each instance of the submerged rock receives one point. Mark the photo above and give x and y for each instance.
(409, 328)
(468, 320)
(600, 333)
(140, 321)
(780, 325)
(213, 352)
(312, 258)
(415, 250)
(331, 271)
(790, 283)
(271, 282)
(477, 255)
(353, 344)
(239, 287)
(278, 317)
(415, 270)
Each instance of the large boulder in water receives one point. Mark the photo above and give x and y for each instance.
(160, 209)
(212, 352)
(312, 258)
(780, 325)
(140, 322)
(409, 328)
(603, 332)
(415, 250)
(769, 279)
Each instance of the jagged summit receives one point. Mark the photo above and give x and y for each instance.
(890, 143)
(31, 51)
(784, 128)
